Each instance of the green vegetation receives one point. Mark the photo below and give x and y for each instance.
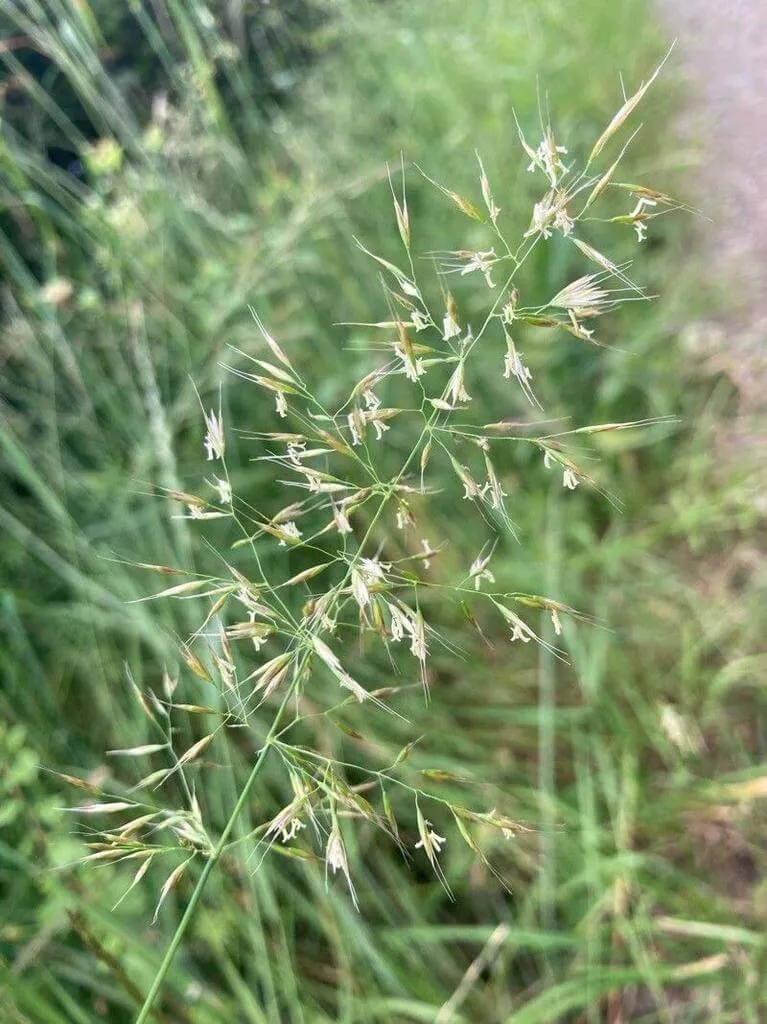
(636, 771)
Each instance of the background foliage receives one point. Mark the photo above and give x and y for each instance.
(229, 155)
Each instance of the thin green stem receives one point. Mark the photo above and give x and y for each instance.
(211, 862)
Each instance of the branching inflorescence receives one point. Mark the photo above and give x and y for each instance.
(268, 638)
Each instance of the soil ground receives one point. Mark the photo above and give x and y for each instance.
(722, 45)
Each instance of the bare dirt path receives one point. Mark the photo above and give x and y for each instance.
(722, 45)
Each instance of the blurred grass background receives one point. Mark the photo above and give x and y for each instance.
(163, 165)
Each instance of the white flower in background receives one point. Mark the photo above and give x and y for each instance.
(543, 217)
(250, 602)
(214, 437)
(487, 195)
(281, 404)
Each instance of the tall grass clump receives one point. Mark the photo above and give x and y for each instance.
(146, 268)
(631, 765)
(285, 654)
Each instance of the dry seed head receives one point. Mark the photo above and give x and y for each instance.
(624, 113)
(104, 808)
(583, 296)
(170, 881)
(602, 261)
(400, 209)
(492, 209)
(273, 346)
(143, 868)
(141, 751)
(196, 749)
(463, 204)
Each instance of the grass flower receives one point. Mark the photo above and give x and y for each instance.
(366, 590)
(214, 436)
(336, 859)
